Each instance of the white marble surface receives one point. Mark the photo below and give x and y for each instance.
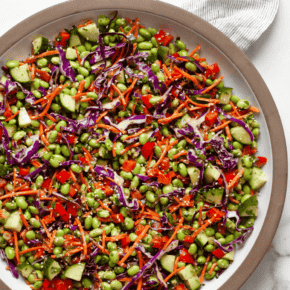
(271, 56)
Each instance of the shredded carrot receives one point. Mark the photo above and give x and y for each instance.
(42, 136)
(12, 117)
(173, 273)
(174, 234)
(176, 263)
(140, 282)
(131, 87)
(116, 238)
(204, 269)
(105, 207)
(47, 53)
(45, 228)
(228, 132)
(51, 239)
(188, 76)
(29, 192)
(83, 236)
(78, 96)
(208, 100)
(101, 116)
(130, 147)
(162, 155)
(78, 56)
(32, 72)
(16, 247)
(181, 153)
(199, 215)
(234, 200)
(130, 251)
(236, 178)
(204, 226)
(30, 250)
(171, 118)
(111, 128)
(234, 108)
(212, 268)
(213, 85)
(254, 109)
(195, 50)
(81, 86)
(104, 239)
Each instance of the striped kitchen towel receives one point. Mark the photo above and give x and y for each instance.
(243, 21)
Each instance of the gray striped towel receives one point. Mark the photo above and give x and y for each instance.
(243, 21)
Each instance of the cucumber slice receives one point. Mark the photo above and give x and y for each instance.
(167, 262)
(23, 118)
(40, 44)
(229, 256)
(14, 222)
(3, 81)
(25, 269)
(75, 271)
(51, 268)
(187, 273)
(162, 52)
(193, 283)
(5, 169)
(214, 195)
(21, 74)
(258, 179)
(241, 135)
(193, 173)
(211, 173)
(249, 207)
(89, 32)
(224, 95)
(201, 239)
(68, 102)
(121, 77)
(11, 129)
(71, 53)
(74, 40)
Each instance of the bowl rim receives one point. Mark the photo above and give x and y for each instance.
(243, 64)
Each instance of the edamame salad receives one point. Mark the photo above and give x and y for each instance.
(126, 162)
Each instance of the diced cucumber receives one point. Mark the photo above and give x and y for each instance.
(5, 215)
(229, 256)
(201, 239)
(167, 262)
(14, 222)
(211, 173)
(25, 269)
(75, 271)
(193, 173)
(51, 268)
(230, 225)
(68, 102)
(90, 32)
(249, 207)
(184, 120)
(258, 179)
(224, 95)
(23, 118)
(187, 273)
(241, 135)
(11, 129)
(214, 195)
(162, 52)
(71, 53)
(74, 40)
(121, 77)
(21, 74)
(40, 44)
(3, 81)
(192, 283)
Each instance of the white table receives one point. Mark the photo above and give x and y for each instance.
(271, 56)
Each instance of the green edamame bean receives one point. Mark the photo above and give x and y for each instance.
(33, 209)
(61, 123)
(64, 189)
(223, 263)
(183, 53)
(256, 132)
(103, 213)
(12, 63)
(155, 67)
(37, 285)
(96, 232)
(180, 45)
(227, 108)
(20, 95)
(57, 250)
(11, 205)
(116, 285)
(128, 223)
(145, 33)
(19, 135)
(58, 241)
(42, 62)
(114, 256)
(209, 248)
(21, 202)
(192, 249)
(177, 182)
(180, 235)
(191, 67)
(248, 174)
(34, 223)
(201, 260)
(132, 271)
(55, 160)
(135, 182)
(39, 180)
(119, 148)
(30, 235)
(88, 222)
(145, 45)
(10, 253)
(182, 169)
(105, 286)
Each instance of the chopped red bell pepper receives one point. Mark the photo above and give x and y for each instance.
(146, 99)
(162, 38)
(46, 183)
(180, 287)
(72, 208)
(139, 229)
(156, 242)
(23, 171)
(125, 241)
(261, 161)
(164, 178)
(184, 256)
(117, 218)
(1, 133)
(211, 117)
(188, 239)
(247, 150)
(72, 191)
(129, 165)
(63, 176)
(229, 176)
(83, 159)
(220, 181)
(71, 138)
(159, 36)
(136, 194)
(62, 39)
(59, 209)
(214, 211)
(164, 165)
(212, 70)
(167, 39)
(45, 283)
(221, 228)
(218, 253)
(8, 112)
(147, 149)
